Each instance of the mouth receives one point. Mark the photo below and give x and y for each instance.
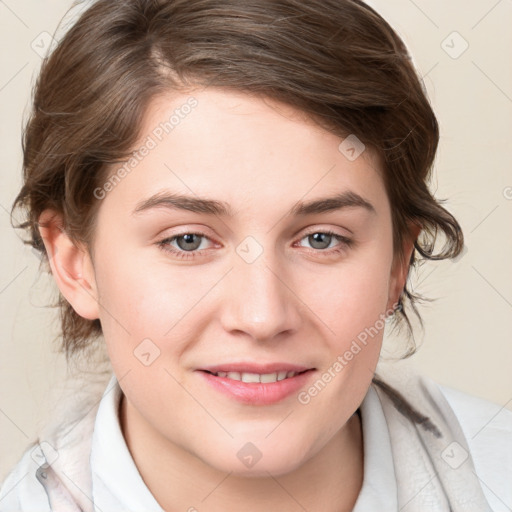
(263, 378)
(257, 384)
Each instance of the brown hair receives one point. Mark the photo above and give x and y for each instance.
(336, 60)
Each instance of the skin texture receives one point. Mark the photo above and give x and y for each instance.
(294, 303)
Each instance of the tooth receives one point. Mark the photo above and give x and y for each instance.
(256, 377)
(268, 377)
(250, 377)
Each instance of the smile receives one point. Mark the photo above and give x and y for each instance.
(256, 377)
(257, 388)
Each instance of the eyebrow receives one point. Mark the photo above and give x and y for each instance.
(347, 199)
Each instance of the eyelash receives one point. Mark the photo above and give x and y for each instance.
(346, 243)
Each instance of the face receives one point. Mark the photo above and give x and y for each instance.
(264, 279)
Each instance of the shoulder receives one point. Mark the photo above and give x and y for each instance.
(21, 491)
(484, 423)
(480, 418)
(487, 428)
(41, 478)
(64, 445)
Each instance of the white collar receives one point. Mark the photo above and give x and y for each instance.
(118, 485)
(116, 482)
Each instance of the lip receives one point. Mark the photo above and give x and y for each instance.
(247, 367)
(253, 393)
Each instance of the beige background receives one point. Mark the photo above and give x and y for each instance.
(467, 340)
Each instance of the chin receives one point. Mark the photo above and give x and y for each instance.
(254, 460)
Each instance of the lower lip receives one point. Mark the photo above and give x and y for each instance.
(258, 393)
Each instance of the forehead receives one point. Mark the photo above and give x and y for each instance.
(244, 149)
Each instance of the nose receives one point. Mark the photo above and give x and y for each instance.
(259, 300)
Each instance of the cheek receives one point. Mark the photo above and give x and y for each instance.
(143, 300)
(130, 296)
(350, 298)
(352, 322)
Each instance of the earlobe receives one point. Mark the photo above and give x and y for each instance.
(71, 266)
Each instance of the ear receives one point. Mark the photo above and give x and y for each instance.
(71, 266)
(400, 268)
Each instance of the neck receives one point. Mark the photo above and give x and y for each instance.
(329, 481)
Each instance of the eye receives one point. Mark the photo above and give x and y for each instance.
(321, 240)
(187, 243)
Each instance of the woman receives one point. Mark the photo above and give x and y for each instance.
(230, 196)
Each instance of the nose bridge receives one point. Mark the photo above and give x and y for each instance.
(259, 301)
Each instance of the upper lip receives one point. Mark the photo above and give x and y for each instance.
(242, 367)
